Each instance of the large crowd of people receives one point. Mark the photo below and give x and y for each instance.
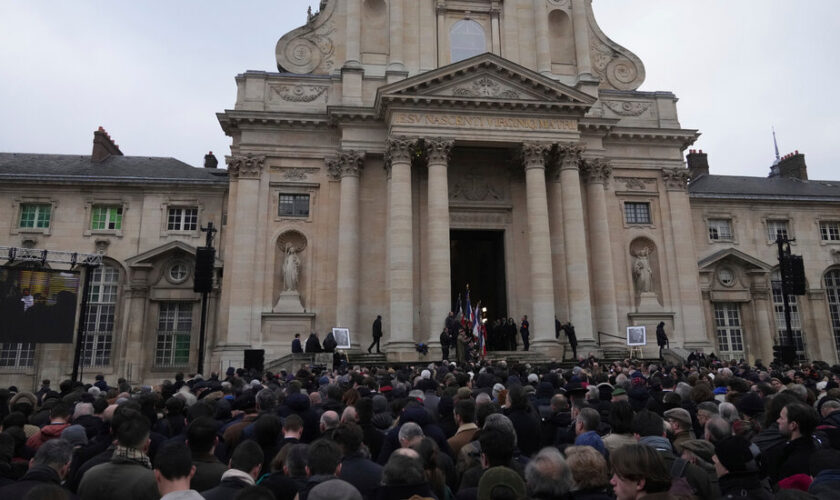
(484, 430)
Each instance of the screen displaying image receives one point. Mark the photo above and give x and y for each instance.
(38, 305)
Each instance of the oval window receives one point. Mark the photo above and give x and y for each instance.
(466, 40)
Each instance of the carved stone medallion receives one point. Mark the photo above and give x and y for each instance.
(627, 108)
(299, 93)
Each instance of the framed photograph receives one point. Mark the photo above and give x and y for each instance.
(342, 338)
(636, 335)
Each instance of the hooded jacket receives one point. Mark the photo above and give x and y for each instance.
(51, 431)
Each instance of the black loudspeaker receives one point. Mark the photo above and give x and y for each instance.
(205, 258)
(254, 359)
(793, 275)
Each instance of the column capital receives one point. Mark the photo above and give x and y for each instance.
(245, 166)
(399, 149)
(596, 170)
(676, 179)
(569, 156)
(533, 154)
(438, 150)
(346, 164)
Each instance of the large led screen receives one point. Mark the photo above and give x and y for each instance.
(38, 305)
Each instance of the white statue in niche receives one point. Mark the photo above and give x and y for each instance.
(291, 268)
(642, 271)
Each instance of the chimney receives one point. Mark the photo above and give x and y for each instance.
(791, 166)
(103, 146)
(210, 160)
(698, 163)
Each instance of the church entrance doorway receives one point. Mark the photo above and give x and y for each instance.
(478, 260)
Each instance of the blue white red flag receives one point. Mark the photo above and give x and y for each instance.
(468, 318)
(476, 320)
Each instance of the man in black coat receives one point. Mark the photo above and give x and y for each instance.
(297, 348)
(525, 332)
(313, 344)
(569, 330)
(661, 338)
(356, 468)
(377, 334)
(245, 466)
(50, 465)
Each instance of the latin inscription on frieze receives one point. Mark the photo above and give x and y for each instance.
(484, 122)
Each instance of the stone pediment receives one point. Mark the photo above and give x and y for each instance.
(486, 80)
(746, 261)
(149, 257)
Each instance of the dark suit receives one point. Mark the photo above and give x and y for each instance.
(377, 334)
(296, 347)
(525, 332)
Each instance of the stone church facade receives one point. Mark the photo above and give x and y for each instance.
(397, 132)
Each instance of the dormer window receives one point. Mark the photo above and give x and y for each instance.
(466, 40)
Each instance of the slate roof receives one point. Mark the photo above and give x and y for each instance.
(116, 169)
(763, 188)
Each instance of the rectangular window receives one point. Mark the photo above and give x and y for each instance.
(106, 217)
(173, 334)
(17, 355)
(293, 205)
(35, 215)
(720, 229)
(99, 321)
(182, 219)
(730, 337)
(637, 213)
(830, 231)
(776, 228)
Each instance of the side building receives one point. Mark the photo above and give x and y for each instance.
(736, 223)
(144, 215)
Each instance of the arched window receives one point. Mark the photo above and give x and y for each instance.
(779, 314)
(832, 290)
(466, 40)
(99, 321)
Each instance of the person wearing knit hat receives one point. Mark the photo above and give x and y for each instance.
(501, 482)
(736, 470)
(75, 435)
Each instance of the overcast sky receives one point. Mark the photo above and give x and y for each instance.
(154, 73)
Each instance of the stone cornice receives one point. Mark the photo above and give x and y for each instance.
(341, 114)
(231, 120)
(682, 137)
(248, 166)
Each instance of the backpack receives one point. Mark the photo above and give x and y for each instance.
(679, 484)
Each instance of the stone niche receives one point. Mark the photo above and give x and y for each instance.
(646, 277)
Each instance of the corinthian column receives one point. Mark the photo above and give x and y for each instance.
(541, 30)
(574, 240)
(440, 286)
(347, 166)
(539, 245)
(400, 245)
(597, 172)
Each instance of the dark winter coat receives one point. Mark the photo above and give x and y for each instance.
(743, 485)
(119, 478)
(226, 490)
(362, 473)
(37, 475)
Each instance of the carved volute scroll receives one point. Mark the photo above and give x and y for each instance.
(597, 170)
(438, 150)
(675, 179)
(617, 67)
(333, 167)
(533, 154)
(245, 166)
(310, 48)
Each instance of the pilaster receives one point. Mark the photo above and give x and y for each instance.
(542, 37)
(597, 172)
(348, 166)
